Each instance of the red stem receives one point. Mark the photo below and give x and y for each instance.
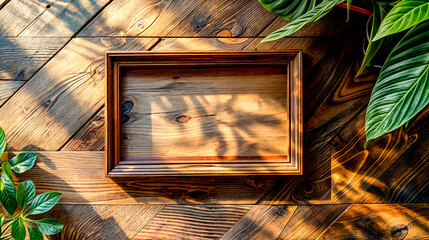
(356, 9)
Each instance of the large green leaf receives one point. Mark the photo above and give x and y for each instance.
(7, 189)
(380, 11)
(311, 16)
(18, 229)
(49, 226)
(25, 193)
(402, 87)
(44, 202)
(404, 15)
(2, 141)
(288, 9)
(23, 162)
(35, 233)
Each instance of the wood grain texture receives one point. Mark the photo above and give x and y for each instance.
(62, 96)
(261, 222)
(52, 173)
(381, 221)
(20, 58)
(107, 222)
(192, 222)
(150, 18)
(243, 111)
(309, 221)
(58, 18)
(8, 88)
(90, 137)
(387, 170)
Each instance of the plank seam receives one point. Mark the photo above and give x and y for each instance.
(36, 18)
(137, 232)
(80, 128)
(321, 234)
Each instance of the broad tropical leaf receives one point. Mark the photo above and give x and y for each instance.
(380, 11)
(288, 9)
(7, 189)
(25, 193)
(44, 202)
(402, 87)
(23, 162)
(18, 229)
(311, 16)
(2, 141)
(49, 226)
(35, 233)
(404, 15)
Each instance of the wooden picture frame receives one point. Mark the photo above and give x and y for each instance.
(269, 66)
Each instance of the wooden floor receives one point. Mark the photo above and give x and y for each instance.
(52, 102)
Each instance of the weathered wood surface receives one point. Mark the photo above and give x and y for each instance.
(225, 112)
(192, 222)
(381, 221)
(58, 18)
(57, 104)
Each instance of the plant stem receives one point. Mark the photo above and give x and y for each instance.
(356, 9)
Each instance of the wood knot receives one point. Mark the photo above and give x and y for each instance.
(412, 138)
(126, 107)
(235, 31)
(183, 119)
(399, 232)
(175, 77)
(47, 103)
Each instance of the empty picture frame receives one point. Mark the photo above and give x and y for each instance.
(203, 113)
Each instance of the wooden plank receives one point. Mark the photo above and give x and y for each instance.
(192, 222)
(8, 88)
(90, 137)
(20, 58)
(261, 222)
(112, 222)
(240, 18)
(57, 171)
(150, 18)
(63, 95)
(40, 18)
(63, 18)
(309, 221)
(386, 170)
(381, 221)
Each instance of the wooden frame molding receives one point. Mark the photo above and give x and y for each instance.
(289, 163)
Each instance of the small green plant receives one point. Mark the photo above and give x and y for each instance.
(402, 88)
(25, 197)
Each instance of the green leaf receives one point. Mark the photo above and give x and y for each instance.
(23, 162)
(288, 9)
(2, 141)
(404, 15)
(49, 226)
(311, 16)
(35, 233)
(25, 193)
(44, 202)
(402, 87)
(7, 189)
(380, 11)
(18, 229)
(1, 220)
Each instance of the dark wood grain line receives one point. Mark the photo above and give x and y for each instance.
(309, 221)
